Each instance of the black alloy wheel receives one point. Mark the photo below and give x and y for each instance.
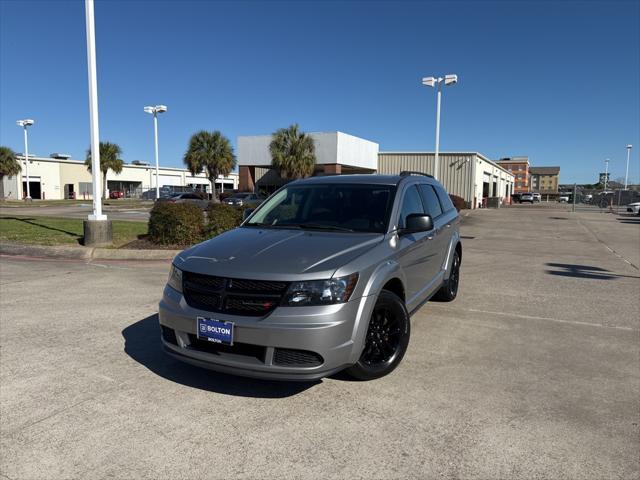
(386, 340)
(449, 290)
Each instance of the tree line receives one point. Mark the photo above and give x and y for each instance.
(292, 155)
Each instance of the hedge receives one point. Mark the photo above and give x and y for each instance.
(222, 218)
(458, 202)
(176, 224)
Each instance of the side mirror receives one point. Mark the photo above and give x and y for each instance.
(417, 222)
(246, 213)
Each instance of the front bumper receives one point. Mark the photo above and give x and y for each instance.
(334, 333)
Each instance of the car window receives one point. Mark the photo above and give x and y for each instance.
(445, 200)
(431, 200)
(411, 203)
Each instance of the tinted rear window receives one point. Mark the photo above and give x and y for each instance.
(430, 200)
(444, 198)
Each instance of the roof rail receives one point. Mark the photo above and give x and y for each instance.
(406, 173)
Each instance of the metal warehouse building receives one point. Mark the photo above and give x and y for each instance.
(57, 177)
(469, 175)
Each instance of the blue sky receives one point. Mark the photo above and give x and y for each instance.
(558, 81)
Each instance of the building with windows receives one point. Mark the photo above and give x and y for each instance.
(519, 167)
(604, 178)
(545, 180)
(59, 177)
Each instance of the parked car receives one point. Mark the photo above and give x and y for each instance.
(526, 198)
(563, 199)
(116, 194)
(186, 198)
(226, 194)
(634, 208)
(322, 277)
(537, 197)
(244, 199)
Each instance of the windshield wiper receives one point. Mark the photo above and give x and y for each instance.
(318, 226)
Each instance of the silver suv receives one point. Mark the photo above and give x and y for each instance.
(322, 277)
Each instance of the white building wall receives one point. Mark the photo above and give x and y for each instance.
(356, 152)
(53, 174)
(330, 147)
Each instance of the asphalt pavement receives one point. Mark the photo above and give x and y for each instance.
(133, 212)
(533, 372)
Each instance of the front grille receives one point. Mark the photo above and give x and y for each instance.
(244, 349)
(287, 357)
(232, 295)
(169, 335)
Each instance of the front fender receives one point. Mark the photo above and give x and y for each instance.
(384, 272)
(446, 265)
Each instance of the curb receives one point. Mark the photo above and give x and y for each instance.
(85, 253)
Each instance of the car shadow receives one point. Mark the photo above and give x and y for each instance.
(629, 218)
(32, 221)
(583, 271)
(142, 343)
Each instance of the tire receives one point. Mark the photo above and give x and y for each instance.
(387, 339)
(449, 290)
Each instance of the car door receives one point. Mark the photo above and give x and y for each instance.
(437, 237)
(416, 257)
(445, 217)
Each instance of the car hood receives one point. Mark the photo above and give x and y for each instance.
(276, 254)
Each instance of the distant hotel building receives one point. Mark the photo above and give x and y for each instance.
(519, 167)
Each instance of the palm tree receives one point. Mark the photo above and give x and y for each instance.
(9, 164)
(212, 152)
(109, 160)
(292, 153)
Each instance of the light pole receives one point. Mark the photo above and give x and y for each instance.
(606, 174)
(98, 231)
(93, 114)
(155, 111)
(626, 175)
(438, 82)
(24, 124)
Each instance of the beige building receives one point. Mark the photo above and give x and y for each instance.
(469, 175)
(545, 180)
(60, 177)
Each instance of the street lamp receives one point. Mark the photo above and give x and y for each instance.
(155, 111)
(24, 124)
(626, 175)
(438, 82)
(606, 174)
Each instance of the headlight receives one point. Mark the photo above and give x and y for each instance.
(175, 279)
(321, 292)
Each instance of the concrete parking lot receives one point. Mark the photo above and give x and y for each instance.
(533, 372)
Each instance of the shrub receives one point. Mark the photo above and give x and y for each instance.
(222, 218)
(176, 224)
(458, 202)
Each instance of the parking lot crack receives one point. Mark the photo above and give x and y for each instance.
(599, 240)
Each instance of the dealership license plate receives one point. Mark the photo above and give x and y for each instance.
(215, 331)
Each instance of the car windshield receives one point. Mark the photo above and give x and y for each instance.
(241, 195)
(338, 207)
